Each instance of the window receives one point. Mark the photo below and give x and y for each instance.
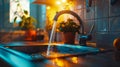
(16, 9)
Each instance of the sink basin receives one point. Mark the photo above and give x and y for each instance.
(57, 51)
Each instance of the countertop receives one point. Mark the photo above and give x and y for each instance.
(13, 58)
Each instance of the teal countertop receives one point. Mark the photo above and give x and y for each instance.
(15, 58)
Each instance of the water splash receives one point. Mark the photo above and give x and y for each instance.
(51, 38)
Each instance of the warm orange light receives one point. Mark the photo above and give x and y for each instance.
(58, 2)
(74, 60)
(48, 7)
(63, 1)
(58, 62)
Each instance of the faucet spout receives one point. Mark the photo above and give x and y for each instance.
(72, 13)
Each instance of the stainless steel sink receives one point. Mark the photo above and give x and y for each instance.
(38, 52)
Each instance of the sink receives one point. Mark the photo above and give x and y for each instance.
(38, 52)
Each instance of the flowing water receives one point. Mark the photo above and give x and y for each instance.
(51, 38)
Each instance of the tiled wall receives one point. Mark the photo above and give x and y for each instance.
(4, 15)
(107, 18)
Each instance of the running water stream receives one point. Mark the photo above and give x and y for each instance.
(51, 38)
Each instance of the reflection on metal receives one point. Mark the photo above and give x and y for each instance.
(58, 62)
(14, 58)
(68, 50)
(74, 60)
